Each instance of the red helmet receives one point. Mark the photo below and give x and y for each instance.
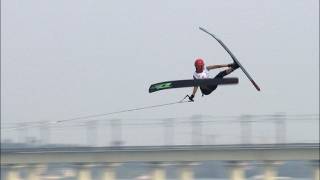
(199, 64)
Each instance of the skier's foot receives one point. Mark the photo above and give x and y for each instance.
(234, 65)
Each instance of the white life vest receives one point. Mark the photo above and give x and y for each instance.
(203, 75)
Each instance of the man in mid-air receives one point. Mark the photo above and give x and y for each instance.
(202, 72)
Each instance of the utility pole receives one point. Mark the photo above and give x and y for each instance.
(196, 131)
(44, 131)
(91, 133)
(116, 132)
(168, 131)
(280, 125)
(245, 121)
(23, 132)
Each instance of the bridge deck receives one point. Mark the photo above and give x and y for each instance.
(307, 151)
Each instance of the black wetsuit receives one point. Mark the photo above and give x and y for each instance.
(206, 90)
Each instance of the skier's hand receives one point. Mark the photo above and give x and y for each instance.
(191, 97)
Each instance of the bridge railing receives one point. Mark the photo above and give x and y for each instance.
(193, 130)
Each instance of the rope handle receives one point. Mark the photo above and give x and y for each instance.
(183, 100)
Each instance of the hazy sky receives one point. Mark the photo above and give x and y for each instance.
(67, 58)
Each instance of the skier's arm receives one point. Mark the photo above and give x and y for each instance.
(195, 88)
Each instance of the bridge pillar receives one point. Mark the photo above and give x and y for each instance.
(270, 172)
(34, 171)
(316, 174)
(158, 172)
(109, 171)
(13, 172)
(186, 171)
(236, 170)
(83, 171)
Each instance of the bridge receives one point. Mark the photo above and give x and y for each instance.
(183, 156)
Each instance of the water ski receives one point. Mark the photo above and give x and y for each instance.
(233, 57)
(191, 83)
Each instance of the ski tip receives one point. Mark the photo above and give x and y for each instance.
(203, 29)
(255, 85)
(206, 31)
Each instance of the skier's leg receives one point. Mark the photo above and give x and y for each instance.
(231, 68)
(209, 89)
